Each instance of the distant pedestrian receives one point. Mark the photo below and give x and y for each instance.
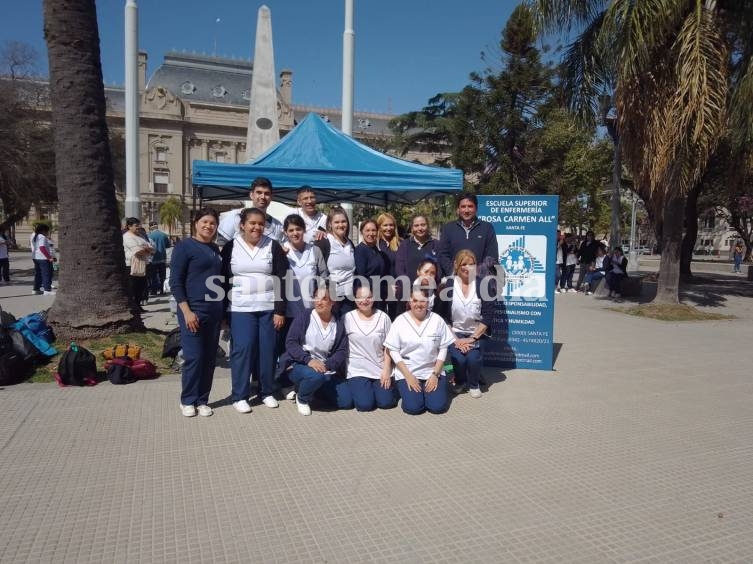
(568, 268)
(160, 243)
(595, 271)
(43, 255)
(737, 257)
(616, 272)
(4, 257)
(586, 255)
(137, 251)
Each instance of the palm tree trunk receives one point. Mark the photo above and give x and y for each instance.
(668, 283)
(91, 299)
(691, 233)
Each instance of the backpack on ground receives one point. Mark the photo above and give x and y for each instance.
(172, 346)
(126, 370)
(6, 319)
(77, 367)
(13, 369)
(144, 370)
(37, 332)
(24, 348)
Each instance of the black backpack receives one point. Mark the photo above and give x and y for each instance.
(77, 367)
(119, 371)
(172, 345)
(13, 369)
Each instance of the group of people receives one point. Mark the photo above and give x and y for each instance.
(596, 262)
(310, 316)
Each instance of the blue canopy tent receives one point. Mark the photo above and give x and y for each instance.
(336, 165)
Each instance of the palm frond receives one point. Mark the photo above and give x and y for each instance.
(587, 72)
(556, 16)
(741, 107)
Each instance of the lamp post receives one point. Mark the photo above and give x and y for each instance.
(609, 120)
(133, 196)
(633, 253)
(349, 40)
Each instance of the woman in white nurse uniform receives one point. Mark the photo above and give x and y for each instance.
(418, 341)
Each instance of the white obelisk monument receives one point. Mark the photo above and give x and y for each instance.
(133, 198)
(263, 125)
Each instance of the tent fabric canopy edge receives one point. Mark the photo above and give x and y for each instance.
(334, 164)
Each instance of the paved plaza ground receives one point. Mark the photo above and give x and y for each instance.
(637, 448)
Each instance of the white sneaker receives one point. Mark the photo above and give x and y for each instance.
(573, 291)
(36, 292)
(303, 408)
(188, 410)
(50, 293)
(616, 295)
(204, 410)
(475, 392)
(270, 402)
(290, 396)
(589, 292)
(242, 406)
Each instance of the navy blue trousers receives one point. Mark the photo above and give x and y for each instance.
(252, 350)
(415, 403)
(309, 384)
(42, 275)
(467, 366)
(200, 355)
(368, 394)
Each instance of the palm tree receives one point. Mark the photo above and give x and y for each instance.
(681, 73)
(91, 300)
(171, 212)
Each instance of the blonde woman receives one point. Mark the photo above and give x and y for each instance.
(388, 242)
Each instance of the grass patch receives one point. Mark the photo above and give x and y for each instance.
(151, 349)
(671, 312)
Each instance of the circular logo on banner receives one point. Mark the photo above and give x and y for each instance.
(517, 262)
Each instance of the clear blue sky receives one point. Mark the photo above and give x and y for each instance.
(406, 50)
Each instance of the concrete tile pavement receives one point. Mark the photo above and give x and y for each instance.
(637, 448)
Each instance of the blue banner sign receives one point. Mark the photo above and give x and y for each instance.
(523, 332)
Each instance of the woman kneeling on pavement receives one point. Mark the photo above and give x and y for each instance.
(470, 316)
(195, 262)
(418, 341)
(316, 355)
(257, 266)
(369, 364)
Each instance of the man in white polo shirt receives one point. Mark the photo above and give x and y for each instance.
(261, 196)
(316, 221)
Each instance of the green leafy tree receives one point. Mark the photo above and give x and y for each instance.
(680, 71)
(171, 213)
(26, 153)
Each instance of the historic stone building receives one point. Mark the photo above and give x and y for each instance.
(196, 107)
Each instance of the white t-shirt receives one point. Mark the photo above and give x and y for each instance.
(253, 283)
(312, 224)
(319, 340)
(41, 241)
(3, 248)
(418, 345)
(305, 267)
(230, 226)
(366, 343)
(466, 310)
(341, 264)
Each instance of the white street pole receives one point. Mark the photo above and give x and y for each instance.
(349, 37)
(133, 201)
(633, 254)
(349, 40)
